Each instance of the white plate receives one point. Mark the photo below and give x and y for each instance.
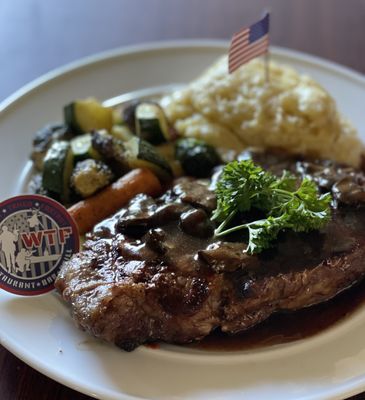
(40, 331)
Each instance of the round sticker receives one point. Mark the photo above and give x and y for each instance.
(37, 235)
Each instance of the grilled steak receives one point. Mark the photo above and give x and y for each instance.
(154, 271)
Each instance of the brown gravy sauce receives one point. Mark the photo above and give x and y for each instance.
(289, 327)
(285, 327)
(281, 327)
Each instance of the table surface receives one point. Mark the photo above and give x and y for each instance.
(41, 35)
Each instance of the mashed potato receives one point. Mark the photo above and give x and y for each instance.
(292, 112)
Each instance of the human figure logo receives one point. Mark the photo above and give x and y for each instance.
(37, 235)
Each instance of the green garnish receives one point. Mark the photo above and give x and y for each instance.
(286, 203)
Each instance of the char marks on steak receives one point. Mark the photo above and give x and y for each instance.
(154, 271)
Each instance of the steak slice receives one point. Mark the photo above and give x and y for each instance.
(151, 272)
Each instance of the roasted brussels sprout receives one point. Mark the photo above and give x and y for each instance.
(197, 158)
(89, 176)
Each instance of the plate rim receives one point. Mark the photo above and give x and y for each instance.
(9, 102)
(107, 55)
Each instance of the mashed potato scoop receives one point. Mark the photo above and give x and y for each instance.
(239, 110)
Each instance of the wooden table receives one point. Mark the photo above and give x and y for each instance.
(39, 35)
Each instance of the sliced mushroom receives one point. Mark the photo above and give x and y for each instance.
(349, 190)
(228, 257)
(196, 222)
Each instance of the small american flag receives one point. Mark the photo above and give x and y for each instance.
(249, 43)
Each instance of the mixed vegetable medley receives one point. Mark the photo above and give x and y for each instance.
(96, 145)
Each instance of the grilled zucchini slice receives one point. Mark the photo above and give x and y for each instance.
(83, 116)
(141, 154)
(57, 170)
(121, 132)
(151, 123)
(129, 115)
(82, 148)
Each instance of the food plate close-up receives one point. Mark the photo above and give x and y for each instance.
(316, 354)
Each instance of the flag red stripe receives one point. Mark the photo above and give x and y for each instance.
(248, 51)
(240, 36)
(237, 52)
(251, 57)
(240, 50)
(240, 42)
(234, 64)
(238, 46)
(246, 42)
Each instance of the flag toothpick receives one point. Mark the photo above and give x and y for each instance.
(267, 67)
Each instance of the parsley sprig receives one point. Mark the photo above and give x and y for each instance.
(286, 203)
